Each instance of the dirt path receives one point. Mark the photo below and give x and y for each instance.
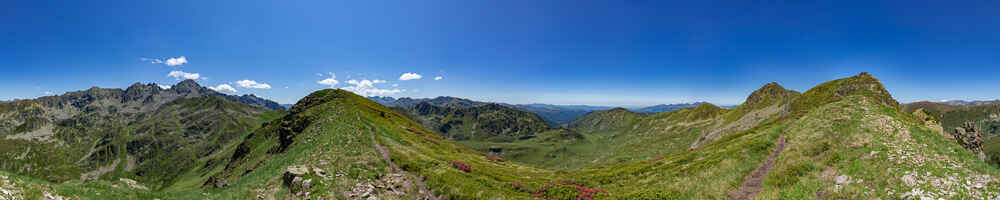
(385, 155)
(753, 183)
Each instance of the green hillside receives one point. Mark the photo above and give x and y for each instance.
(844, 139)
(489, 122)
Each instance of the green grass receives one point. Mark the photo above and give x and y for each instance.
(851, 133)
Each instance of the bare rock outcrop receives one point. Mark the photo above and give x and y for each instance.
(969, 136)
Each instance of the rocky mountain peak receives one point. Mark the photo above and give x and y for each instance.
(187, 85)
(138, 91)
(190, 88)
(768, 94)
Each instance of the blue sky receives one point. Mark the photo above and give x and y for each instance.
(559, 52)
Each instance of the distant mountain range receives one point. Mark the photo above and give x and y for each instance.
(555, 115)
(668, 107)
(969, 103)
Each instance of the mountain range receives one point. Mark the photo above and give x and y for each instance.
(843, 139)
(556, 115)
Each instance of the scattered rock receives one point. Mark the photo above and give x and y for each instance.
(843, 179)
(395, 184)
(293, 175)
(133, 184)
(909, 180)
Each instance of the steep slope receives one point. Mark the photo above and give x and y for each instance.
(770, 101)
(341, 138)
(144, 132)
(490, 122)
(856, 146)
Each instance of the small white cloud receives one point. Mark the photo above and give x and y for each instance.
(177, 74)
(319, 74)
(410, 76)
(395, 85)
(223, 88)
(332, 81)
(151, 60)
(48, 93)
(164, 86)
(252, 84)
(367, 88)
(176, 61)
(438, 78)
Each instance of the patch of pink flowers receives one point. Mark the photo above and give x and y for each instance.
(461, 166)
(585, 192)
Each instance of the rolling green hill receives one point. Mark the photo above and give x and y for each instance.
(489, 122)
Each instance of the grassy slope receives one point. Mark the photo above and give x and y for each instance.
(489, 122)
(334, 140)
(879, 152)
(216, 119)
(614, 136)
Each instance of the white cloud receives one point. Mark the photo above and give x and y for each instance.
(48, 93)
(367, 88)
(410, 76)
(177, 74)
(332, 81)
(438, 78)
(151, 60)
(395, 85)
(252, 84)
(176, 61)
(223, 88)
(164, 86)
(319, 74)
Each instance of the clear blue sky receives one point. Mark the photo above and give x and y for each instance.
(559, 52)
